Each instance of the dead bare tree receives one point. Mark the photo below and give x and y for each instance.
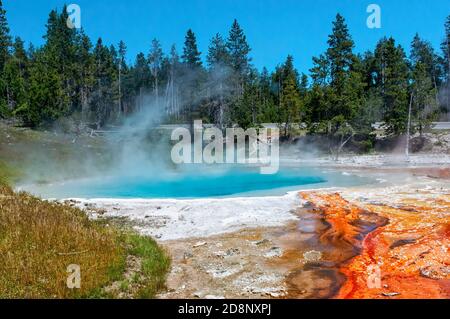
(345, 133)
(408, 128)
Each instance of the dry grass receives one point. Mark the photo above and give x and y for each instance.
(39, 239)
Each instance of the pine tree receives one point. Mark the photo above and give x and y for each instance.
(445, 46)
(424, 83)
(122, 55)
(422, 52)
(191, 55)
(238, 50)
(290, 104)
(54, 78)
(85, 73)
(347, 94)
(174, 57)
(123, 79)
(320, 71)
(391, 76)
(114, 77)
(338, 87)
(16, 76)
(155, 59)
(5, 39)
(446, 50)
(343, 81)
(59, 54)
(141, 78)
(194, 77)
(368, 69)
(20, 54)
(47, 99)
(268, 112)
(219, 81)
(103, 94)
(288, 70)
(371, 109)
(217, 52)
(246, 108)
(303, 85)
(114, 55)
(425, 104)
(290, 101)
(339, 54)
(60, 43)
(172, 89)
(5, 43)
(318, 101)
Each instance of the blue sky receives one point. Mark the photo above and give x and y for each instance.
(274, 28)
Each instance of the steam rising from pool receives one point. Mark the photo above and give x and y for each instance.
(202, 182)
(135, 162)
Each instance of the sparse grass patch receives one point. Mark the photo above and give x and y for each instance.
(155, 264)
(40, 239)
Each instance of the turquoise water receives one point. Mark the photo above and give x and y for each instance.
(198, 183)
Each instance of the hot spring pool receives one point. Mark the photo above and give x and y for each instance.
(199, 183)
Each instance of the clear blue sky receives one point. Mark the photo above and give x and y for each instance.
(274, 28)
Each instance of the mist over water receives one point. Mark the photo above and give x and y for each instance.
(138, 148)
(141, 148)
(134, 160)
(139, 165)
(200, 183)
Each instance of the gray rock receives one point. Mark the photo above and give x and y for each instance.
(274, 252)
(390, 294)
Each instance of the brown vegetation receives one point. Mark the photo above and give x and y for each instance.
(40, 239)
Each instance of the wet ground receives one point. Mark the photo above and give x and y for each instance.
(377, 242)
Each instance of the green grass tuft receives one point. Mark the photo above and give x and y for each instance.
(155, 264)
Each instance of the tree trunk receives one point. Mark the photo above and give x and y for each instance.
(119, 111)
(408, 127)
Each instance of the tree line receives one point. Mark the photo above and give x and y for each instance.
(343, 94)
